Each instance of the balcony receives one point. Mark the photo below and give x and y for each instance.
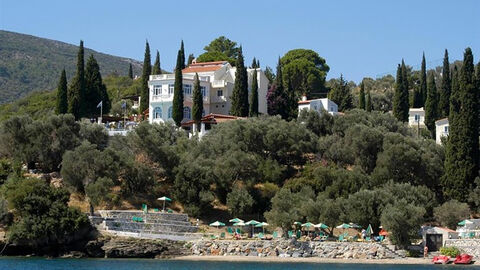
(219, 83)
(163, 97)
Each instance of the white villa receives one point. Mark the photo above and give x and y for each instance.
(318, 105)
(216, 84)
(416, 117)
(441, 129)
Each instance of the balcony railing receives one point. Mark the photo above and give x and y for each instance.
(219, 83)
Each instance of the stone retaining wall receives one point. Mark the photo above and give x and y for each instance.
(292, 248)
(469, 246)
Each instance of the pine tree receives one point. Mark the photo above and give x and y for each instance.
(254, 96)
(431, 104)
(156, 66)
(191, 57)
(368, 103)
(462, 153)
(240, 88)
(446, 88)
(177, 107)
(147, 70)
(361, 97)
(400, 100)
(423, 82)
(197, 97)
(95, 90)
(341, 95)
(130, 71)
(62, 95)
(182, 54)
(77, 88)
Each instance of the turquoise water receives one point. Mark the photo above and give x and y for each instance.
(145, 264)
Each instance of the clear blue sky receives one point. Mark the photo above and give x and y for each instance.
(357, 38)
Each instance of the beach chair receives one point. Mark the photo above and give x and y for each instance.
(260, 236)
(230, 230)
(213, 237)
(222, 235)
(169, 210)
(290, 234)
(368, 238)
(155, 209)
(299, 234)
(239, 231)
(275, 234)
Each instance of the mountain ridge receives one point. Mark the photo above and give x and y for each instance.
(29, 63)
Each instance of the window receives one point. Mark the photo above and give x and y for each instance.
(187, 89)
(187, 113)
(170, 89)
(446, 129)
(157, 90)
(417, 117)
(219, 93)
(331, 109)
(203, 89)
(170, 112)
(203, 112)
(315, 107)
(157, 113)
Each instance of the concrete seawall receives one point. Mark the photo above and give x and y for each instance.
(469, 246)
(292, 248)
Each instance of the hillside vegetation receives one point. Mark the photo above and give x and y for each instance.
(29, 64)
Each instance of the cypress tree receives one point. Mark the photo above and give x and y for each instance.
(446, 88)
(240, 89)
(182, 53)
(156, 66)
(77, 88)
(147, 70)
(254, 96)
(462, 153)
(197, 97)
(368, 103)
(190, 58)
(258, 63)
(130, 71)
(417, 101)
(276, 97)
(95, 90)
(400, 100)
(62, 95)
(177, 107)
(431, 104)
(361, 97)
(254, 63)
(423, 82)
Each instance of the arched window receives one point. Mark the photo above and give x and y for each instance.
(187, 114)
(157, 113)
(170, 112)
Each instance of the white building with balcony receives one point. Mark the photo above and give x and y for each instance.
(216, 84)
(441, 129)
(319, 105)
(416, 117)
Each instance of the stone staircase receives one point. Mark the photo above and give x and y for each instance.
(156, 225)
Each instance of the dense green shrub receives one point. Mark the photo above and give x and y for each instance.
(450, 251)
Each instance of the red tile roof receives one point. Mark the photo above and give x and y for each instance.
(304, 102)
(204, 67)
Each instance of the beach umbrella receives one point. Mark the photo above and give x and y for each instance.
(164, 199)
(217, 224)
(308, 225)
(343, 226)
(240, 223)
(464, 222)
(235, 220)
(262, 224)
(252, 223)
(369, 230)
(355, 226)
(321, 226)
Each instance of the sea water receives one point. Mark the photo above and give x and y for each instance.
(16, 263)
